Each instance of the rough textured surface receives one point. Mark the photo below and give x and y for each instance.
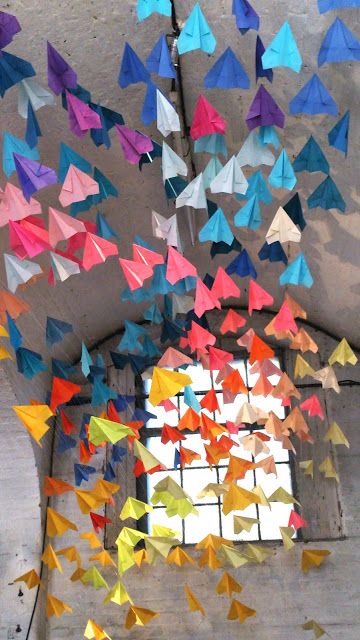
(91, 36)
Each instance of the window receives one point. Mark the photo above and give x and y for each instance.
(195, 477)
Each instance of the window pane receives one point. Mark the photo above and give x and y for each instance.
(197, 527)
(158, 516)
(194, 480)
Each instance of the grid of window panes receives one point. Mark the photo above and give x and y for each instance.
(195, 477)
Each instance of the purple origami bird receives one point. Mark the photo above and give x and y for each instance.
(133, 143)
(81, 116)
(264, 111)
(32, 175)
(9, 26)
(60, 75)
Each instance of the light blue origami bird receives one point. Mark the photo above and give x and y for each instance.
(249, 215)
(196, 34)
(282, 51)
(217, 229)
(145, 8)
(282, 175)
(297, 273)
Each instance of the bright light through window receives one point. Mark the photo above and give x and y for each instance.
(195, 477)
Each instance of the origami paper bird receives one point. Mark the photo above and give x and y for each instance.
(329, 5)
(239, 611)
(167, 117)
(213, 143)
(12, 146)
(282, 51)
(133, 143)
(60, 75)
(12, 71)
(343, 354)
(159, 60)
(9, 27)
(254, 152)
(145, 8)
(33, 131)
(297, 273)
(32, 175)
(259, 69)
(311, 625)
(264, 111)
(30, 578)
(34, 418)
(217, 229)
(313, 99)
(206, 120)
(227, 73)
(196, 34)
(242, 266)
(193, 195)
(245, 16)
(339, 44)
(249, 215)
(30, 92)
(55, 330)
(282, 174)
(230, 179)
(93, 631)
(81, 117)
(132, 69)
(313, 558)
(20, 272)
(282, 229)
(311, 158)
(327, 196)
(338, 137)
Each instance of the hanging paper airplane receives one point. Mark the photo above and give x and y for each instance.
(313, 98)
(193, 195)
(81, 117)
(259, 69)
(167, 117)
(159, 60)
(20, 272)
(145, 8)
(230, 179)
(249, 215)
(12, 146)
(217, 229)
(31, 92)
(69, 157)
(213, 143)
(32, 175)
(77, 186)
(264, 111)
(245, 16)
(9, 27)
(211, 170)
(55, 330)
(12, 71)
(257, 187)
(339, 44)
(338, 137)
(196, 34)
(294, 210)
(206, 120)
(132, 69)
(133, 143)
(297, 273)
(33, 131)
(227, 73)
(282, 229)
(282, 51)
(311, 158)
(254, 152)
(282, 175)
(327, 196)
(60, 75)
(62, 267)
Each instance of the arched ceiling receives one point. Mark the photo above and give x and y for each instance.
(91, 36)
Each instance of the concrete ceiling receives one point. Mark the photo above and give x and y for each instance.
(91, 36)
